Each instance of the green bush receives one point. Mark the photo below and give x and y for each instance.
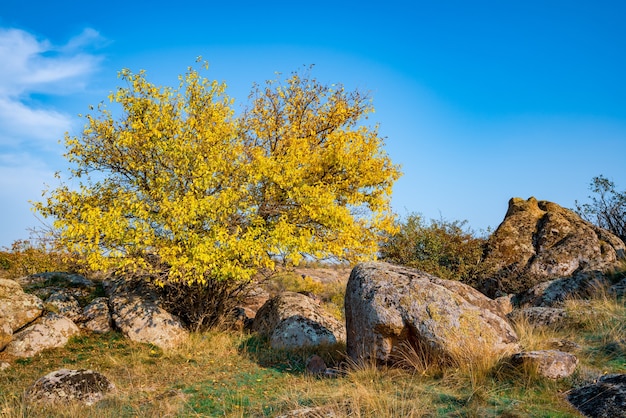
(446, 249)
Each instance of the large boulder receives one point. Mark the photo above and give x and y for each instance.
(136, 310)
(16, 307)
(62, 386)
(540, 240)
(388, 307)
(292, 320)
(605, 398)
(50, 331)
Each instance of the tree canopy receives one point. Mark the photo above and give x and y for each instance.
(178, 176)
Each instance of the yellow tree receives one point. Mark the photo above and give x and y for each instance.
(177, 177)
(320, 180)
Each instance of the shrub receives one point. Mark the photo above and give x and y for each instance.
(27, 257)
(446, 249)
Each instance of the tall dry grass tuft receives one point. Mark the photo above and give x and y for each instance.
(371, 390)
(418, 357)
(599, 323)
(474, 366)
(534, 337)
(602, 311)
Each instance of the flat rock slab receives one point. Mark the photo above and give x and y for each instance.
(62, 386)
(605, 398)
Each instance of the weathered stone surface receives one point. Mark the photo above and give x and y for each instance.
(553, 293)
(294, 320)
(500, 306)
(605, 398)
(62, 386)
(255, 298)
(389, 306)
(50, 331)
(298, 331)
(540, 316)
(505, 303)
(540, 240)
(137, 312)
(16, 307)
(552, 364)
(56, 278)
(64, 303)
(96, 316)
(6, 334)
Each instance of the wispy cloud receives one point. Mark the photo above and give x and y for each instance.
(36, 66)
(33, 72)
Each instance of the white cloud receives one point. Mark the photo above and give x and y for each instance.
(17, 120)
(32, 72)
(32, 66)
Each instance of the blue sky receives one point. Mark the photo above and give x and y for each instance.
(480, 101)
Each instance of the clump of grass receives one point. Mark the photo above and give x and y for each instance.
(532, 337)
(599, 325)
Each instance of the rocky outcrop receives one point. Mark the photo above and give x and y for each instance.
(136, 310)
(553, 293)
(605, 398)
(388, 307)
(64, 303)
(45, 284)
(50, 331)
(62, 386)
(16, 307)
(540, 240)
(292, 320)
(552, 364)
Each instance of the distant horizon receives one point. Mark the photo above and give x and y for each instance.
(479, 102)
